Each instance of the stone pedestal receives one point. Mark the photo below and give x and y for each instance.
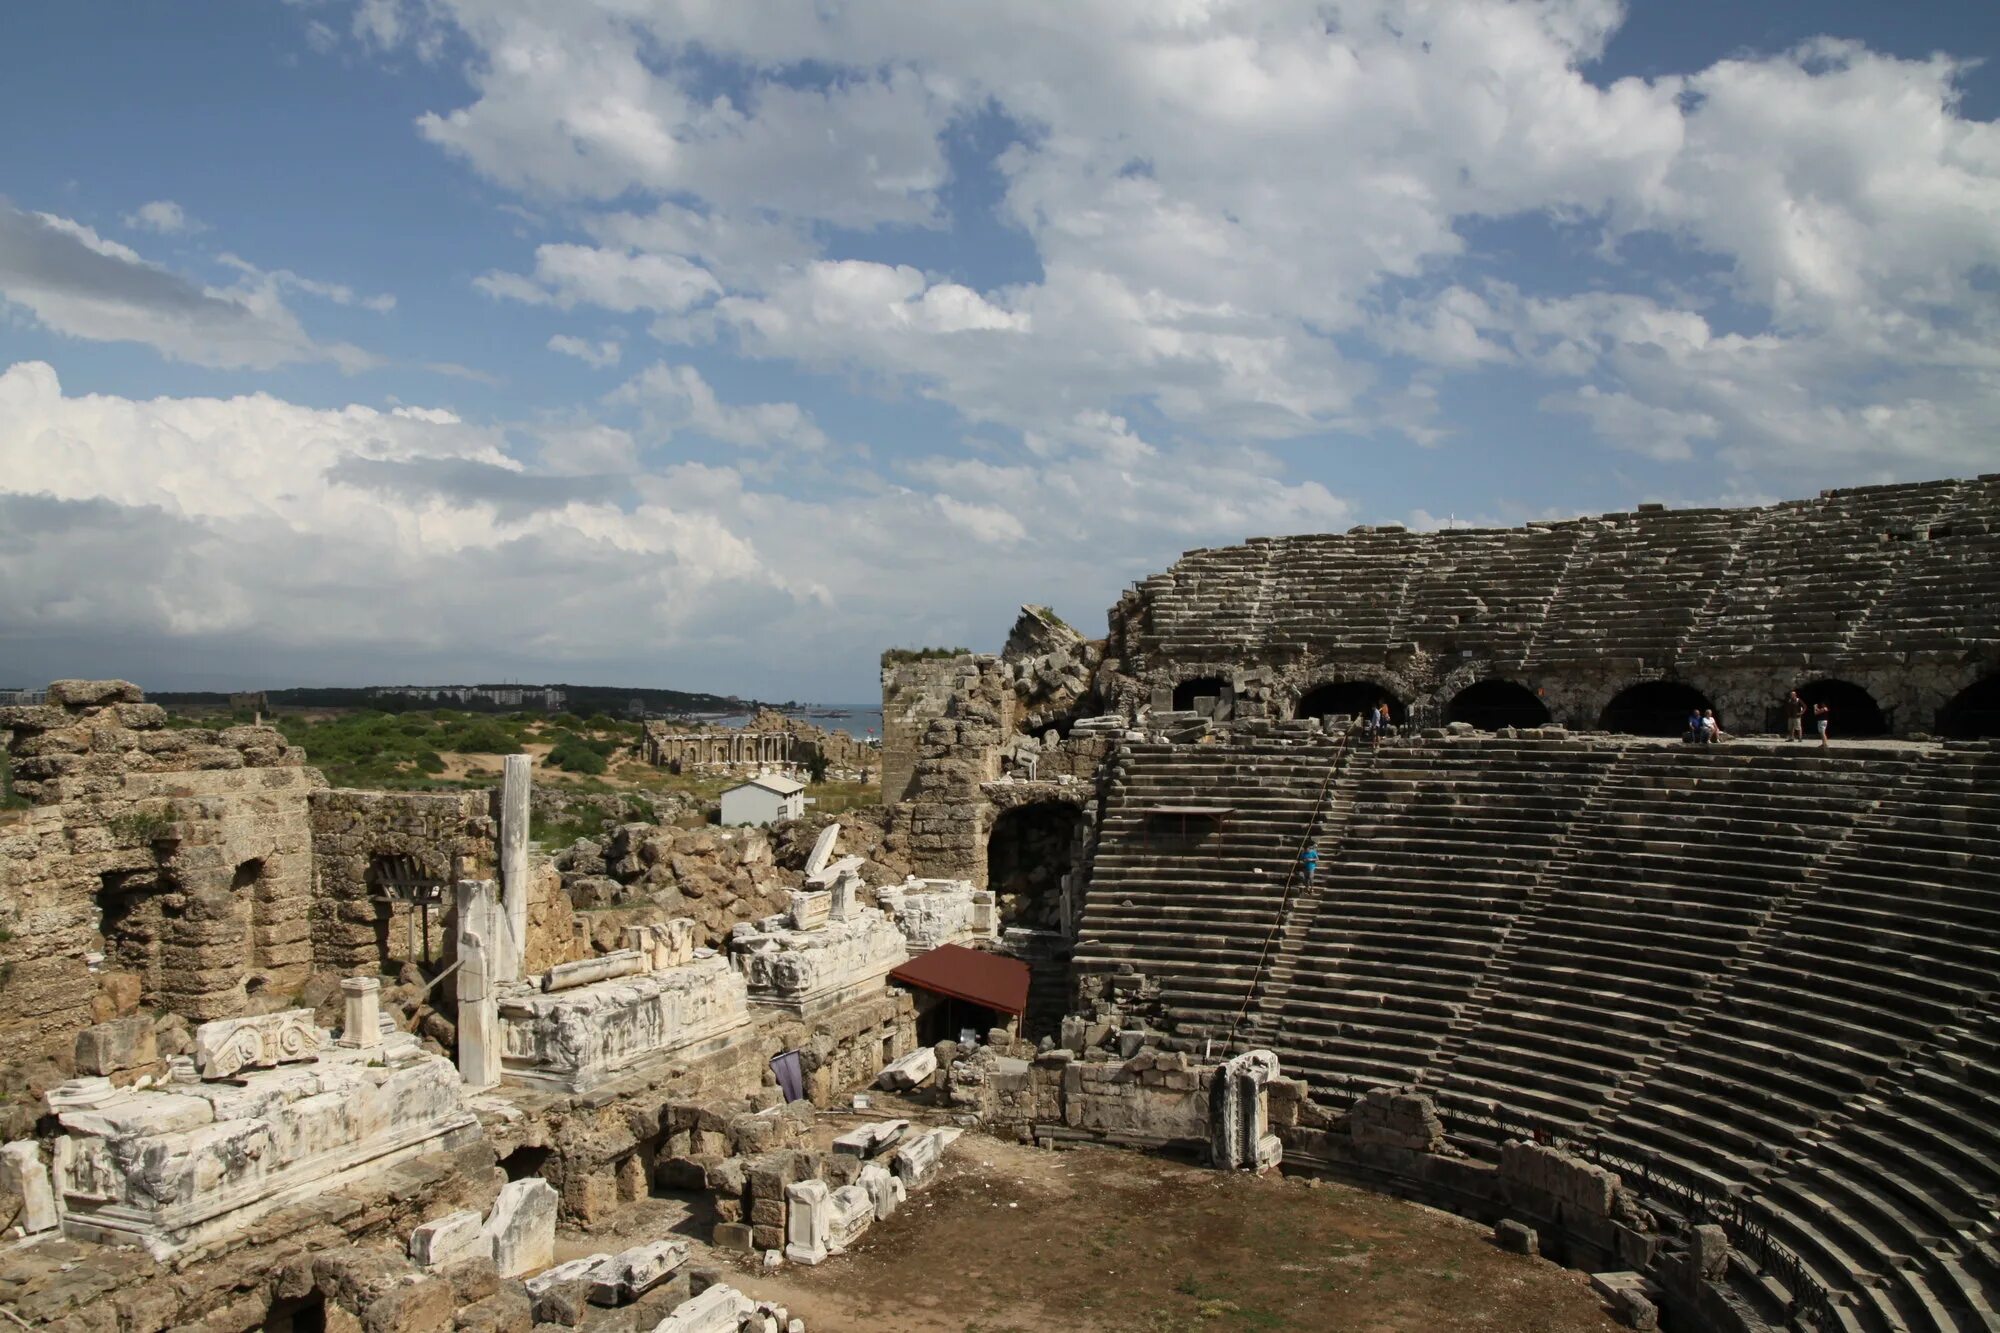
(808, 1221)
(361, 1026)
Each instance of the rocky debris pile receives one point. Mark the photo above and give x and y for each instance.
(642, 872)
(1050, 665)
(866, 831)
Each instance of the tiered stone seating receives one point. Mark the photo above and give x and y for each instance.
(1439, 849)
(1683, 855)
(1851, 575)
(1486, 590)
(1195, 912)
(1945, 597)
(1813, 568)
(1895, 936)
(1341, 592)
(1209, 604)
(1897, 1206)
(1642, 586)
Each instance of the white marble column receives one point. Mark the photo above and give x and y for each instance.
(480, 919)
(516, 785)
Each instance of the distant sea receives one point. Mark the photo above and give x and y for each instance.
(862, 721)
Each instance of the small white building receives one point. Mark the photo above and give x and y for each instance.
(764, 799)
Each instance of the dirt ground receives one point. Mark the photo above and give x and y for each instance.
(1011, 1239)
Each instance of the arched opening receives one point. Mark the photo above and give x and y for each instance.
(1653, 708)
(1030, 852)
(1189, 693)
(1973, 713)
(1353, 697)
(1851, 710)
(1493, 704)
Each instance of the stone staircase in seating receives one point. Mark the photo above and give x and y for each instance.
(1441, 850)
(1191, 900)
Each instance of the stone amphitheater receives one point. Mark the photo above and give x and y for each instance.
(1713, 1022)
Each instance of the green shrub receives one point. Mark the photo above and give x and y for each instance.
(899, 656)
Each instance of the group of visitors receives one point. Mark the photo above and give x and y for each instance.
(1796, 711)
(1702, 728)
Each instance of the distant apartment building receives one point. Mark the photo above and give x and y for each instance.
(13, 696)
(545, 697)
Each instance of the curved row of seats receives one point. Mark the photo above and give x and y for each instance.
(1869, 570)
(1772, 970)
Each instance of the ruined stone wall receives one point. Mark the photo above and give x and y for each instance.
(914, 695)
(160, 870)
(350, 829)
(956, 753)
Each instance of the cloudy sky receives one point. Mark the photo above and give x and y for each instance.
(718, 345)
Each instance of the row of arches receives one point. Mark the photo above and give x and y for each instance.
(1648, 708)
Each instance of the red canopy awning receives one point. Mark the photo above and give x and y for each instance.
(967, 974)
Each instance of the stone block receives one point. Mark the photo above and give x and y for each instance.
(424, 1306)
(110, 1048)
(733, 1236)
(23, 1174)
(1516, 1237)
(719, 1309)
(632, 1273)
(916, 1160)
(227, 1046)
(522, 1227)
(870, 1140)
(911, 1071)
(882, 1189)
(508, 1310)
(449, 1239)
(1710, 1251)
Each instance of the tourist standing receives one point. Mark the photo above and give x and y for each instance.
(1309, 864)
(1795, 717)
(1822, 716)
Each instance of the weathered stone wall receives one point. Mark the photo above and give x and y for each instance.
(914, 695)
(350, 931)
(165, 870)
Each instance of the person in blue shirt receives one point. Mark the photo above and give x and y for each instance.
(1309, 862)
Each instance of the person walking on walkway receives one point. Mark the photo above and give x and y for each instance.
(1795, 717)
(1309, 864)
(1822, 716)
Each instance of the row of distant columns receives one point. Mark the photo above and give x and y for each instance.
(768, 747)
(493, 933)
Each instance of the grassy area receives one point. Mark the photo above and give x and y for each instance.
(369, 748)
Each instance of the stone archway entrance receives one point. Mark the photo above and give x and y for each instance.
(1653, 708)
(1029, 855)
(1854, 711)
(1357, 698)
(1492, 704)
(1974, 712)
(1201, 687)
